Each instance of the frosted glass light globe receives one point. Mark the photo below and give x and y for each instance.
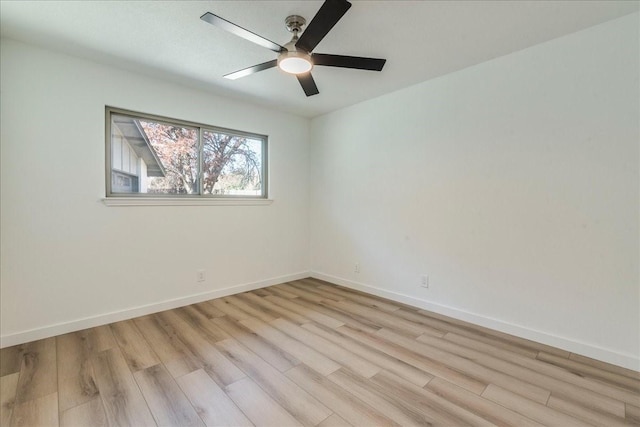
(295, 62)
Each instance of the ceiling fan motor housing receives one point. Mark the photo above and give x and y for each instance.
(294, 23)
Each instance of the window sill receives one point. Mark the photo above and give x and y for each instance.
(186, 201)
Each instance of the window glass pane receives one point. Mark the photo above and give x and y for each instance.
(232, 165)
(156, 155)
(177, 149)
(153, 157)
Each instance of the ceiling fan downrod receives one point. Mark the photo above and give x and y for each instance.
(293, 60)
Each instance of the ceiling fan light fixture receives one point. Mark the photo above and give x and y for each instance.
(295, 62)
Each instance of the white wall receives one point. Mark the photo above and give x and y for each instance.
(62, 254)
(513, 184)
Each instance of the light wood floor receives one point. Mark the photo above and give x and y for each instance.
(306, 353)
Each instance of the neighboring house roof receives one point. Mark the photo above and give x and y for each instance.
(135, 135)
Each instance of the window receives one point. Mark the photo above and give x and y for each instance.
(161, 157)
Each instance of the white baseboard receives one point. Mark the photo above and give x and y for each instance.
(573, 346)
(129, 313)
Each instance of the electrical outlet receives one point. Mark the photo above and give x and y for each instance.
(200, 276)
(356, 269)
(424, 281)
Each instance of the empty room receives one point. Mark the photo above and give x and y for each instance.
(319, 213)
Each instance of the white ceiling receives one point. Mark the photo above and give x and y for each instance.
(420, 40)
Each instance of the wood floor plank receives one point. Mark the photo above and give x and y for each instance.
(166, 344)
(76, 383)
(550, 370)
(184, 366)
(367, 301)
(135, 348)
(121, 397)
(303, 353)
(632, 414)
(225, 306)
(306, 312)
(202, 324)
(293, 291)
(486, 409)
(584, 370)
(40, 411)
(421, 362)
(258, 406)
(384, 319)
(336, 398)
(273, 309)
(318, 283)
(423, 318)
(8, 387)
(334, 352)
(205, 355)
(424, 400)
(262, 292)
(529, 408)
(313, 288)
(491, 349)
(398, 367)
(207, 309)
(211, 403)
(169, 406)
(334, 421)
(469, 367)
(531, 376)
(272, 354)
(482, 331)
(396, 409)
(339, 314)
(38, 373)
(90, 413)
(295, 400)
(429, 327)
(556, 386)
(585, 414)
(275, 290)
(605, 366)
(251, 309)
(11, 359)
(97, 339)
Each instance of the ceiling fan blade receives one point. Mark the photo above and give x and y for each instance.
(308, 84)
(329, 14)
(251, 70)
(360, 63)
(240, 32)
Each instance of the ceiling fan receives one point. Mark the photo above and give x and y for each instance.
(296, 57)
